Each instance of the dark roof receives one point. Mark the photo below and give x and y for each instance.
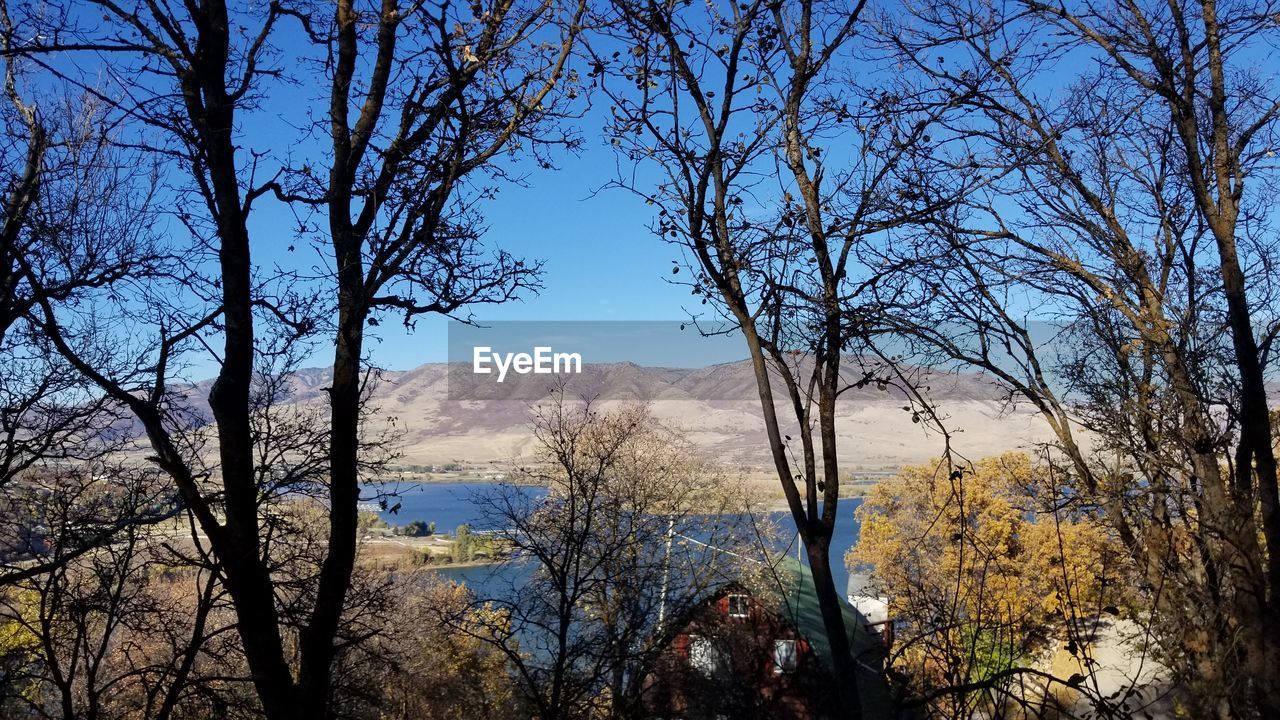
(796, 601)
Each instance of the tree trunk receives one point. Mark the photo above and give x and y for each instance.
(248, 580)
(842, 660)
(816, 534)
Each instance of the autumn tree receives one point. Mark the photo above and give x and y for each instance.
(977, 571)
(126, 629)
(633, 531)
(437, 671)
(1114, 168)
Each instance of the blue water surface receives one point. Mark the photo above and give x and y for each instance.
(449, 505)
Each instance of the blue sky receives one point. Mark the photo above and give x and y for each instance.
(601, 262)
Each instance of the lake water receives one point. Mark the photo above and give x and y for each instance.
(449, 505)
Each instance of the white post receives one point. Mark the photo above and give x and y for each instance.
(666, 572)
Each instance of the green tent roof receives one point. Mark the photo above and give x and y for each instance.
(796, 601)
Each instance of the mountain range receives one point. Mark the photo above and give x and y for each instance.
(445, 416)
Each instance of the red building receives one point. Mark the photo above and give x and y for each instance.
(763, 653)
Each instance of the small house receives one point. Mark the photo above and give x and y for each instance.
(760, 650)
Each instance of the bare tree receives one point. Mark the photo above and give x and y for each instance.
(116, 631)
(448, 90)
(74, 222)
(437, 672)
(768, 166)
(634, 530)
(1127, 202)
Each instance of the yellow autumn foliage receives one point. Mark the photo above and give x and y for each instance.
(976, 564)
(449, 670)
(17, 612)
